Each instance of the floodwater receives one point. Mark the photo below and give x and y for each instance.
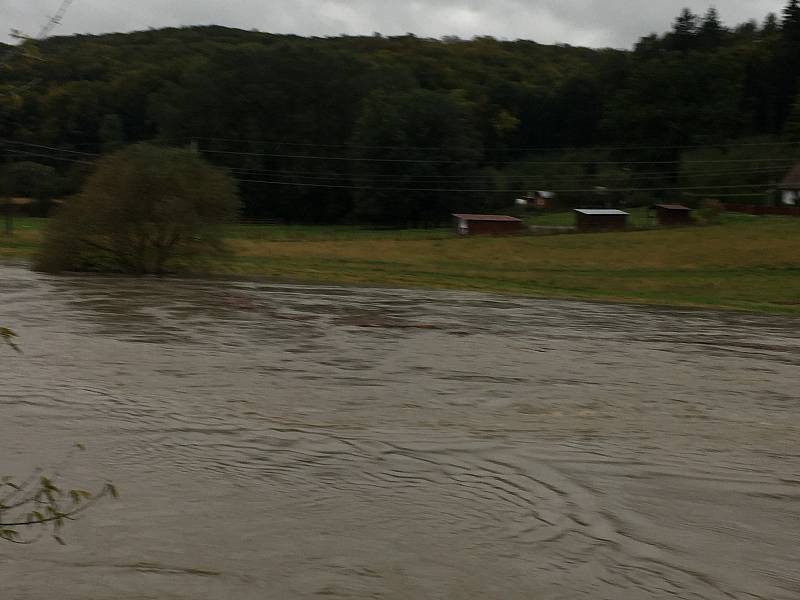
(285, 441)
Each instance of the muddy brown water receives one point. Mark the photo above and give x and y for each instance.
(285, 441)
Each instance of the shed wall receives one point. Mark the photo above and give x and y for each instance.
(668, 216)
(493, 227)
(586, 223)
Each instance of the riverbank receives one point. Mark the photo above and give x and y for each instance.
(745, 263)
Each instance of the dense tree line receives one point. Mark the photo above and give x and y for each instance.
(403, 130)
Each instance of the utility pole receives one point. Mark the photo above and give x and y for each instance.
(46, 29)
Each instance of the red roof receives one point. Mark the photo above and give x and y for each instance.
(673, 206)
(792, 179)
(468, 217)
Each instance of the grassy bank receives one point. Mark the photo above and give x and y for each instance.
(750, 263)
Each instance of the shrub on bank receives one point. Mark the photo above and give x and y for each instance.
(146, 209)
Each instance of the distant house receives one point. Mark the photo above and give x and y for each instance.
(600, 219)
(537, 200)
(790, 187)
(469, 224)
(673, 214)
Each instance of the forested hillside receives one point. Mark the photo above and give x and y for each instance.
(403, 130)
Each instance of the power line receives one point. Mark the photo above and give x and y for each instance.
(325, 181)
(496, 191)
(462, 162)
(769, 160)
(26, 153)
(519, 186)
(337, 158)
(318, 181)
(43, 147)
(617, 176)
(497, 149)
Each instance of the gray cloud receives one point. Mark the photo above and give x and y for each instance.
(617, 23)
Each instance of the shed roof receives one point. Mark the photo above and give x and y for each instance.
(18, 201)
(600, 211)
(25, 201)
(673, 206)
(470, 217)
(792, 179)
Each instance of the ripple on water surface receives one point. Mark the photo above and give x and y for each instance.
(280, 441)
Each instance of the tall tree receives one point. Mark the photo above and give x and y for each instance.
(792, 129)
(407, 148)
(711, 31)
(684, 30)
(790, 24)
(771, 25)
(789, 55)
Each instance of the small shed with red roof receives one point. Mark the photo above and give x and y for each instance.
(600, 219)
(470, 224)
(673, 214)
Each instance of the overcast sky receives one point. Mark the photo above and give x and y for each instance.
(596, 23)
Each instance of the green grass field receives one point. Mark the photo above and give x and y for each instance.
(305, 233)
(638, 218)
(749, 263)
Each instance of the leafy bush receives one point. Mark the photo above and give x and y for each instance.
(7, 336)
(146, 209)
(35, 506)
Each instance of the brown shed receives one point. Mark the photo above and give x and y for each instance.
(600, 219)
(673, 214)
(468, 224)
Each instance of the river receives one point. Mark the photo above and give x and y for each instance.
(299, 441)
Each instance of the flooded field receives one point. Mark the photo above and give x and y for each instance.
(277, 441)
